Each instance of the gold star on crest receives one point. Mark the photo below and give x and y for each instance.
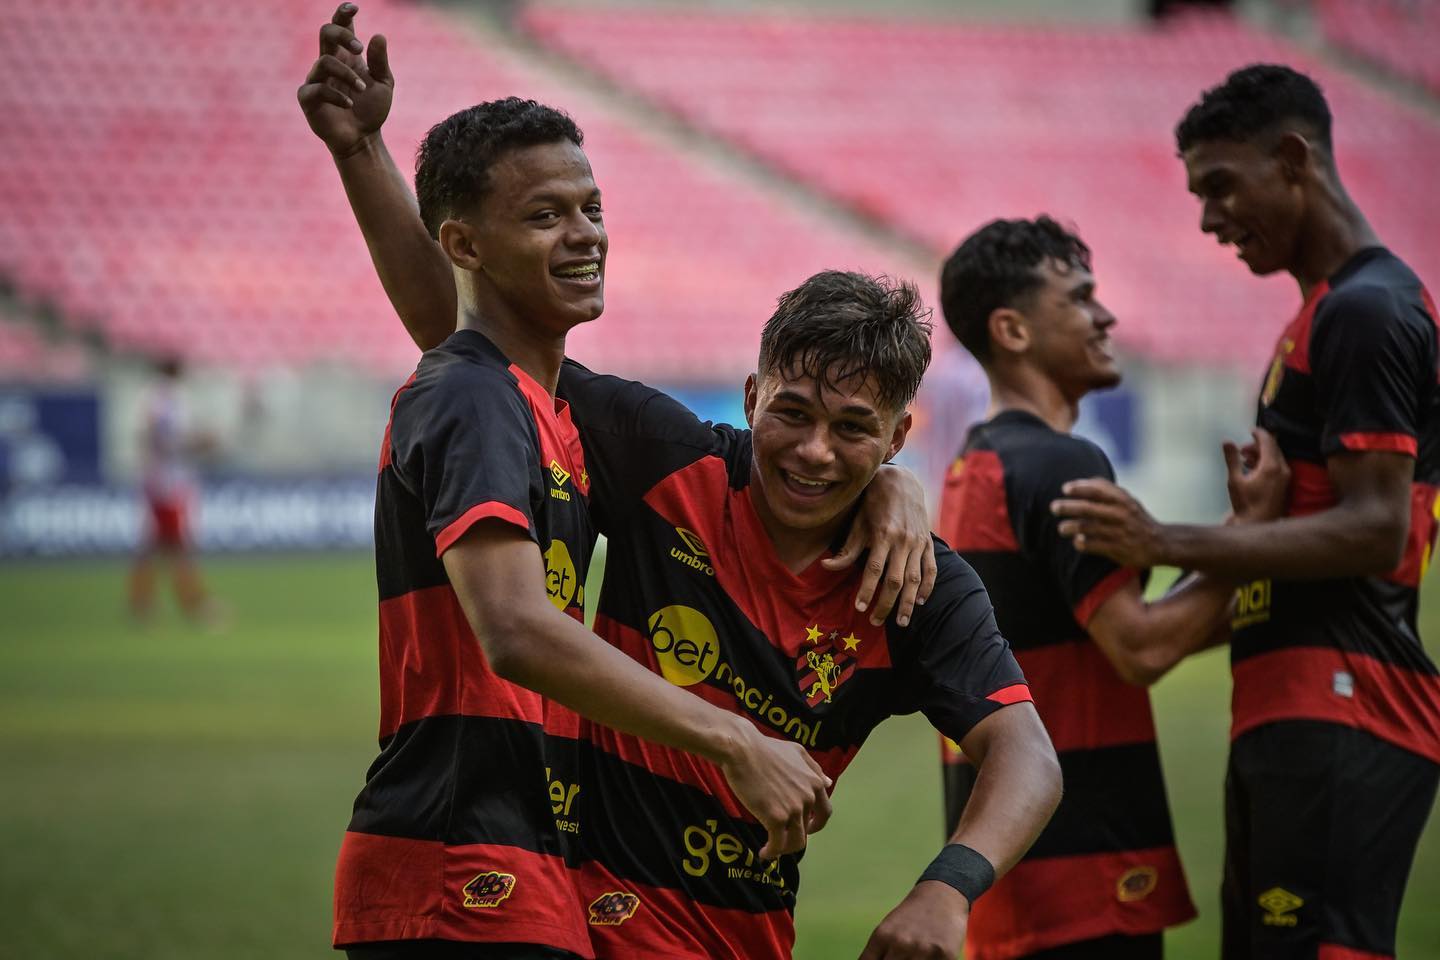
(851, 642)
(813, 633)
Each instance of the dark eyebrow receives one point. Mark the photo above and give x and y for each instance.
(551, 196)
(1083, 289)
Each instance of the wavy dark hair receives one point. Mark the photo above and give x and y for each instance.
(452, 166)
(838, 325)
(998, 266)
(1256, 100)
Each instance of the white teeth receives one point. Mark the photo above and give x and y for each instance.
(583, 271)
(808, 483)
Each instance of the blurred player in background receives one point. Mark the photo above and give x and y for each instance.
(718, 580)
(169, 445)
(1335, 753)
(1104, 879)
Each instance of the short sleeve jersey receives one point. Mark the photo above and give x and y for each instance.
(694, 591)
(1106, 863)
(454, 835)
(1356, 370)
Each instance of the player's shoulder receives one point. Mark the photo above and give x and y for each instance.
(1036, 457)
(1375, 288)
(466, 378)
(955, 582)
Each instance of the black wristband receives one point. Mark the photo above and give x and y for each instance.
(962, 868)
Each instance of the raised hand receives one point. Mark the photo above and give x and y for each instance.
(346, 96)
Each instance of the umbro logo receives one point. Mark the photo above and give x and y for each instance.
(558, 473)
(694, 555)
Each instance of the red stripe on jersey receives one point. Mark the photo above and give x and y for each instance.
(1334, 951)
(392, 888)
(1015, 693)
(1310, 489)
(1102, 591)
(1321, 683)
(1082, 700)
(1382, 442)
(668, 924)
(432, 665)
(1046, 902)
(1294, 347)
(457, 528)
(385, 452)
(1420, 541)
(974, 512)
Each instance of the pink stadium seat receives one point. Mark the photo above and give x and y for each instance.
(190, 209)
(936, 126)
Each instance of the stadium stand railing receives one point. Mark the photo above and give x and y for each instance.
(937, 126)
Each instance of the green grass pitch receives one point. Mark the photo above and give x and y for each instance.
(170, 793)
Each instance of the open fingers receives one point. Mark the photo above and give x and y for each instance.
(910, 587)
(329, 67)
(891, 583)
(1094, 488)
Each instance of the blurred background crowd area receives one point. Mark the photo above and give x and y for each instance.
(163, 198)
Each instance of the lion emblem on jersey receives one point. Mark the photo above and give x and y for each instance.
(613, 909)
(823, 664)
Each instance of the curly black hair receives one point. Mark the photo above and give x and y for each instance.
(837, 325)
(997, 266)
(1255, 100)
(453, 163)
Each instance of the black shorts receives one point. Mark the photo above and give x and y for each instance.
(453, 950)
(1119, 946)
(1321, 825)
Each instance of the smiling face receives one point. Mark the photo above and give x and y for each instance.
(816, 447)
(1067, 331)
(537, 243)
(1251, 199)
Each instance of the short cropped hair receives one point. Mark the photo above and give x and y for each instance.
(452, 166)
(838, 325)
(998, 266)
(1255, 100)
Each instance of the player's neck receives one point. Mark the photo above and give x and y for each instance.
(1034, 393)
(1336, 232)
(535, 351)
(796, 549)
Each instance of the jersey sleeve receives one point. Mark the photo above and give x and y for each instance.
(956, 666)
(1085, 580)
(635, 436)
(1371, 362)
(467, 447)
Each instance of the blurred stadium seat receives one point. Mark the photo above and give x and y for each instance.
(936, 126)
(1399, 35)
(162, 189)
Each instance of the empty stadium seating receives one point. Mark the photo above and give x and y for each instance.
(937, 126)
(1401, 36)
(161, 187)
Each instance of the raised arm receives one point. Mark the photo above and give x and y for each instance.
(498, 576)
(346, 98)
(1016, 791)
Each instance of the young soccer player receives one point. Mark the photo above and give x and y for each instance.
(1335, 753)
(718, 582)
(1104, 879)
(481, 526)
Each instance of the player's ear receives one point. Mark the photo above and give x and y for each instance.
(461, 244)
(897, 439)
(1295, 154)
(752, 391)
(1009, 331)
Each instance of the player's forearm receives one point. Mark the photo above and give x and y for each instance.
(1344, 541)
(554, 655)
(1191, 617)
(1017, 788)
(412, 268)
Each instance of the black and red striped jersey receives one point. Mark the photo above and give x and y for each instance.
(695, 591)
(1355, 370)
(1107, 863)
(461, 831)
